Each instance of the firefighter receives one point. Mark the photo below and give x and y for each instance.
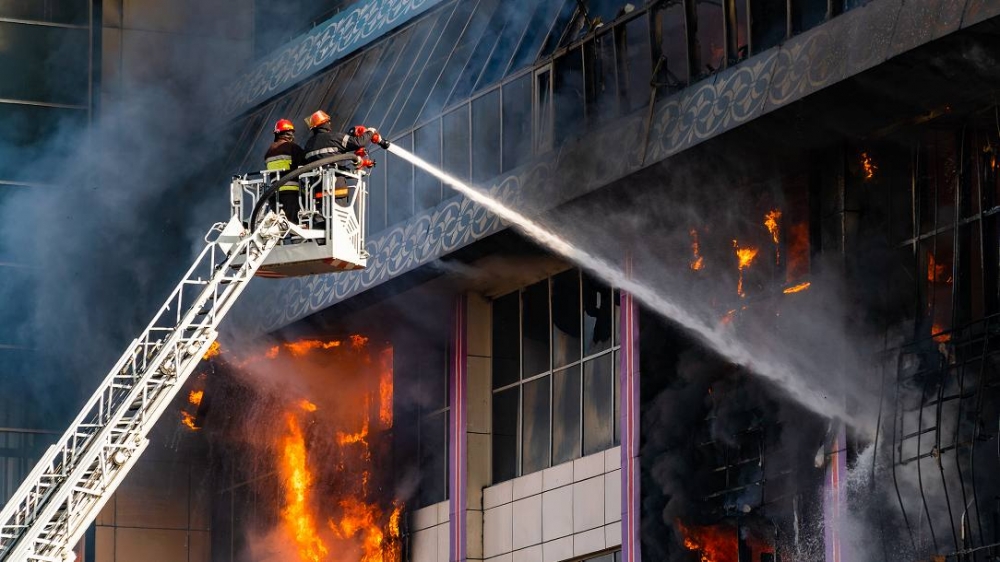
(324, 142)
(284, 155)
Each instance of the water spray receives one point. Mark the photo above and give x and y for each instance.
(722, 342)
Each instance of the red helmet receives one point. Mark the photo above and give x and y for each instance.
(283, 125)
(317, 119)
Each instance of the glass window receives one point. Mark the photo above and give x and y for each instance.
(456, 158)
(534, 35)
(710, 43)
(23, 128)
(568, 404)
(73, 12)
(602, 78)
(399, 184)
(427, 145)
(444, 41)
(767, 23)
(636, 62)
(486, 137)
(739, 28)
(566, 414)
(516, 122)
(535, 329)
(807, 14)
(377, 197)
(535, 428)
(505, 408)
(671, 39)
(598, 404)
(565, 318)
(51, 64)
(433, 464)
(506, 349)
(597, 320)
(543, 110)
(453, 69)
(397, 85)
(569, 93)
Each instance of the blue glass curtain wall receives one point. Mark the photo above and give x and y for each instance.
(479, 85)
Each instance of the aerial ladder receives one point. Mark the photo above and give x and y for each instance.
(76, 476)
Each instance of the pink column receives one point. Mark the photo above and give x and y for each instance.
(629, 393)
(457, 473)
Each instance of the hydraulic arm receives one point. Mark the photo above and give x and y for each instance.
(63, 494)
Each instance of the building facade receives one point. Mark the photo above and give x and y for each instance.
(763, 331)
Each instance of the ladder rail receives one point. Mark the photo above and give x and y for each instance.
(75, 477)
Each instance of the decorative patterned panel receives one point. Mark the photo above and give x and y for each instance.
(337, 37)
(845, 46)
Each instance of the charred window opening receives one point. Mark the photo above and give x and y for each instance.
(554, 369)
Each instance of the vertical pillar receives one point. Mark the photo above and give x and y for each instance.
(457, 475)
(835, 494)
(629, 408)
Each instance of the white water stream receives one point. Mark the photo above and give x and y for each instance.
(719, 338)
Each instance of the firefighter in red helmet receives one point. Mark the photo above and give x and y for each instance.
(324, 142)
(284, 156)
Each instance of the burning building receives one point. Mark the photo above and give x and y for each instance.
(791, 357)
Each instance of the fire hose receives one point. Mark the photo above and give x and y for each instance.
(294, 174)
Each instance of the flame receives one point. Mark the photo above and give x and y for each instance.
(213, 350)
(797, 288)
(745, 257)
(195, 396)
(868, 167)
(300, 348)
(771, 222)
(358, 342)
(697, 262)
(361, 436)
(728, 317)
(938, 335)
(359, 519)
(298, 484)
(187, 419)
(307, 405)
(272, 353)
(936, 272)
(385, 388)
(713, 544)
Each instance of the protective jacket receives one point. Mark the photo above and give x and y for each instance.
(285, 155)
(324, 142)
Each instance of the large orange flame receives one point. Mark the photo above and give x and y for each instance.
(298, 484)
(713, 544)
(195, 396)
(745, 257)
(697, 261)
